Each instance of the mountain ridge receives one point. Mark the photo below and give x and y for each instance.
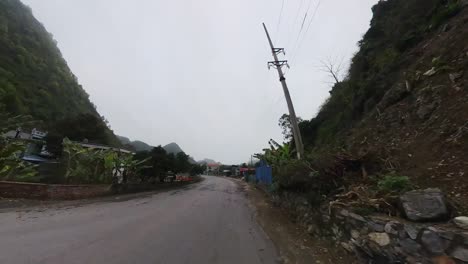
(137, 145)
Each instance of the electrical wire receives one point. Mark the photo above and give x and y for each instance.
(295, 22)
(299, 44)
(279, 21)
(302, 26)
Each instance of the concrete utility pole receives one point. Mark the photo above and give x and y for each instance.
(292, 114)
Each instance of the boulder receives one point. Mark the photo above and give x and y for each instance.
(409, 246)
(393, 96)
(461, 221)
(355, 234)
(392, 227)
(348, 246)
(455, 76)
(356, 217)
(411, 231)
(432, 242)
(430, 72)
(377, 227)
(382, 239)
(461, 254)
(425, 110)
(424, 205)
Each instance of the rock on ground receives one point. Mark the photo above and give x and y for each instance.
(461, 221)
(424, 205)
(382, 239)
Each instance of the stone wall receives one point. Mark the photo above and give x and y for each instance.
(51, 191)
(379, 238)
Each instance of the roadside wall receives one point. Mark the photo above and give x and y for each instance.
(380, 238)
(51, 191)
(39, 191)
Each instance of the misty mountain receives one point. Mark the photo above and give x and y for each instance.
(206, 161)
(137, 145)
(124, 140)
(173, 148)
(140, 146)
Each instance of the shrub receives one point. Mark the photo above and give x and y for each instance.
(394, 183)
(387, 58)
(448, 11)
(294, 175)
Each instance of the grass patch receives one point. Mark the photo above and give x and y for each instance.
(394, 183)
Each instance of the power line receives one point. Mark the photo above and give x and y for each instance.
(302, 25)
(299, 44)
(294, 48)
(279, 20)
(313, 17)
(294, 23)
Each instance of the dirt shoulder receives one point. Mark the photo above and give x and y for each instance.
(292, 241)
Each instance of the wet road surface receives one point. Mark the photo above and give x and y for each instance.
(208, 222)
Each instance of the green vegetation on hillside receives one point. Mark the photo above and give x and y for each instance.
(34, 78)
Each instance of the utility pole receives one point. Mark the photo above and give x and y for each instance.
(292, 114)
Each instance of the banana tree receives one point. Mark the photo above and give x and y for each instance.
(86, 165)
(277, 155)
(132, 167)
(12, 167)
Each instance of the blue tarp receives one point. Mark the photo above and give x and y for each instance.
(263, 173)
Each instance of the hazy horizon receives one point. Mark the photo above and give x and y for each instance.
(196, 73)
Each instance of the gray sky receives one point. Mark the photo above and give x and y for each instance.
(194, 72)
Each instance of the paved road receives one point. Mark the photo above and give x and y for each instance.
(209, 222)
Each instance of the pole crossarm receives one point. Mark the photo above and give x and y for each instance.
(276, 64)
(279, 50)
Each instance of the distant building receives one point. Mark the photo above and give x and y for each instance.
(36, 151)
(19, 134)
(212, 168)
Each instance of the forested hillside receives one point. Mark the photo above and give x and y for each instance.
(35, 79)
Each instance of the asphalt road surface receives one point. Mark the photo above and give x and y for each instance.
(208, 222)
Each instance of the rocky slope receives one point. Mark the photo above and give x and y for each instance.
(403, 108)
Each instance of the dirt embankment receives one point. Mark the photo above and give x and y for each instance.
(420, 128)
(293, 242)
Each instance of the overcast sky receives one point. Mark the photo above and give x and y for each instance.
(194, 72)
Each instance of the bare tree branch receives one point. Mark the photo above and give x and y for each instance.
(333, 67)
